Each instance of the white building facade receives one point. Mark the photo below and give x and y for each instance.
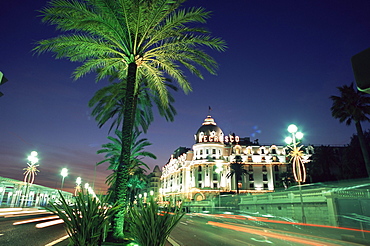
(203, 172)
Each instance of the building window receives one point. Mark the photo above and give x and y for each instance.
(276, 168)
(199, 185)
(251, 177)
(199, 176)
(265, 186)
(264, 169)
(273, 151)
(213, 151)
(264, 177)
(201, 152)
(240, 185)
(214, 185)
(251, 185)
(250, 159)
(215, 176)
(207, 152)
(262, 151)
(263, 159)
(274, 159)
(250, 168)
(199, 168)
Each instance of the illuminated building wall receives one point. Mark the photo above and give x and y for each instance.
(200, 173)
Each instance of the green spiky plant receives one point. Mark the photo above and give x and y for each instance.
(151, 224)
(87, 220)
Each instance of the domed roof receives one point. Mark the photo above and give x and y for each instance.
(209, 132)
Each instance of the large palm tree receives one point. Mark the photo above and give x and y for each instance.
(237, 169)
(353, 105)
(137, 39)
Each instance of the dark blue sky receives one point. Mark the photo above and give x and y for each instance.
(285, 58)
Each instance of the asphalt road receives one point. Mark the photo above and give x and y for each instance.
(27, 234)
(208, 230)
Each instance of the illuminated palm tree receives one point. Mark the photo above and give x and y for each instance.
(30, 172)
(136, 39)
(353, 105)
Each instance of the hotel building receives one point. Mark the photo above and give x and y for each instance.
(204, 171)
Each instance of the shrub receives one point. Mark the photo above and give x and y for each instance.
(152, 224)
(87, 220)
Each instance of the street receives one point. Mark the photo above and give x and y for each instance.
(207, 229)
(19, 229)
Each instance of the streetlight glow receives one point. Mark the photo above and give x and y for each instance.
(292, 128)
(288, 140)
(64, 174)
(299, 135)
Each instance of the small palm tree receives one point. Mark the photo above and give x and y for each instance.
(112, 152)
(237, 169)
(353, 105)
(107, 103)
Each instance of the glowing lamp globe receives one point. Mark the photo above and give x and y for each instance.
(288, 140)
(299, 135)
(292, 128)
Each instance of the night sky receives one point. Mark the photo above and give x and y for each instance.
(284, 60)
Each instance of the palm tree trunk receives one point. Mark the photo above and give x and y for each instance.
(130, 105)
(365, 152)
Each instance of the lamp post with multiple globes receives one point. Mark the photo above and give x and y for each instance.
(299, 170)
(29, 173)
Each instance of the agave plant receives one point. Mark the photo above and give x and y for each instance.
(151, 224)
(87, 220)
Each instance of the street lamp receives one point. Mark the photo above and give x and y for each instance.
(219, 170)
(64, 174)
(78, 185)
(299, 170)
(30, 172)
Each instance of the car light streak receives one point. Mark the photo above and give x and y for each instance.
(49, 223)
(57, 241)
(270, 234)
(267, 220)
(303, 224)
(24, 213)
(35, 220)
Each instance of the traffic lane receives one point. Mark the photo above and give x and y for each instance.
(28, 234)
(196, 231)
(207, 230)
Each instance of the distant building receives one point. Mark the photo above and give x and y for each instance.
(201, 173)
(155, 181)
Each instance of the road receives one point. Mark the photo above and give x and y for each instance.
(204, 230)
(20, 228)
(17, 229)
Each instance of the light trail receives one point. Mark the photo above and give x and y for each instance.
(49, 223)
(271, 234)
(304, 224)
(57, 241)
(267, 220)
(24, 213)
(35, 220)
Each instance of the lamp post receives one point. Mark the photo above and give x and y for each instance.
(296, 153)
(78, 185)
(30, 172)
(219, 170)
(64, 174)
